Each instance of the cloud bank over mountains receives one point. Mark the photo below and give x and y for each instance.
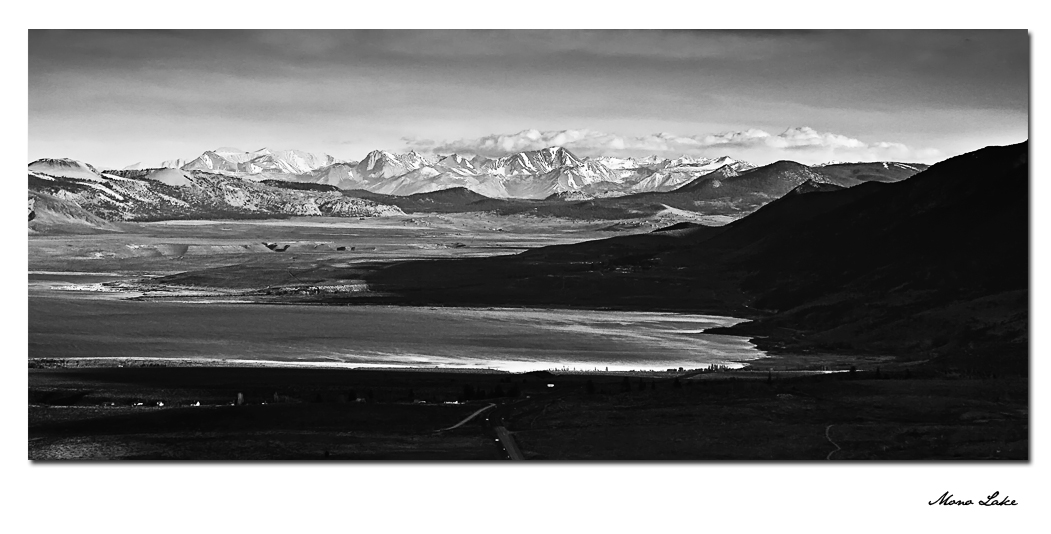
(803, 144)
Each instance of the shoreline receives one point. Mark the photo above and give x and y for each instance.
(116, 362)
(136, 287)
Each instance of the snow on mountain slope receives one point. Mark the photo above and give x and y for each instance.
(654, 174)
(533, 162)
(434, 178)
(291, 161)
(210, 161)
(262, 161)
(652, 161)
(737, 165)
(156, 194)
(65, 168)
(686, 161)
(558, 180)
(415, 160)
(663, 181)
(235, 155)
(341, 175)
(375, 169)
(380, 165)
(531, 174)
(617, 164)
(705, 164)
(455, 161)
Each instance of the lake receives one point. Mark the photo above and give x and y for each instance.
(88, 324)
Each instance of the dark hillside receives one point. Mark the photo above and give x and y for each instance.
(930, 267)
(935, 264)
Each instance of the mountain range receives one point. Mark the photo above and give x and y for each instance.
(537, 174)
(553, 181)
(552, 172)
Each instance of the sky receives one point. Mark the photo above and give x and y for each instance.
(116, 98)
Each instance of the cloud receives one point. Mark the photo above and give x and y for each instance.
(805, 137)
(803, 144)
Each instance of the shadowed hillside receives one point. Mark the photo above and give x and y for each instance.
(932, 266)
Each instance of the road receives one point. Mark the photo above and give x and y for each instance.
(503, 439)
(506, 442)
(466, 419)
(829, 438)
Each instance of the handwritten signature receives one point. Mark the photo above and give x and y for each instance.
(947, 499)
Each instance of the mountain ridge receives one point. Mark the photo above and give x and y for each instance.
(160, 194)
(551, 172)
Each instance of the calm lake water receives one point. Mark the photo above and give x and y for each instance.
(84, 324)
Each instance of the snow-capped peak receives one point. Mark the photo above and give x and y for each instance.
(618, 163)
(685, 160)
(456, 161)
(264, 160)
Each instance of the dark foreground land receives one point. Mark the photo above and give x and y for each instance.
(895, 413)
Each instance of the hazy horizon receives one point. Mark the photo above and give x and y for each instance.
(116, 98)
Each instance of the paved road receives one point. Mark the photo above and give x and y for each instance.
(466, 419)
(508, 441)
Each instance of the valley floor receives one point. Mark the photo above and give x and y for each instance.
(179, 246)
